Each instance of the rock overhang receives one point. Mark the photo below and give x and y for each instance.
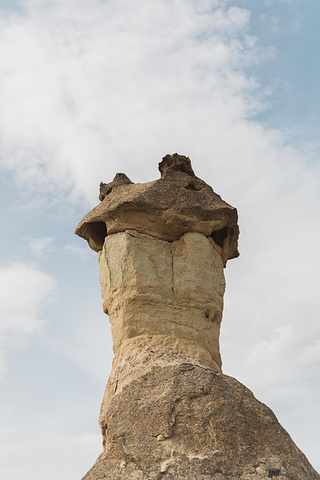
(177, 203)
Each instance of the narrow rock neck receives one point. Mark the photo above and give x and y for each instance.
(151, 286)
(140, 357)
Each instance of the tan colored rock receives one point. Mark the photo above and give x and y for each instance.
(177, 203)
(168, 288)
(169, 413)
(132, 361)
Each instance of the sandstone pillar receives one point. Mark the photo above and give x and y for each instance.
(168, 411)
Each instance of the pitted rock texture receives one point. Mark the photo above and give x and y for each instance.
(170, 288)
(168, 411)
(183, 419)
(166, 208)
(132, 361)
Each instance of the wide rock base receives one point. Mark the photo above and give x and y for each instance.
(186, 420)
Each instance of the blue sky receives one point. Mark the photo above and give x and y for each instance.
(290, 27)
(91, 88)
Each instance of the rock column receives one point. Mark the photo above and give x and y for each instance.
(168, 411)
(152, 286)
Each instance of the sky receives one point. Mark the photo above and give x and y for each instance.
(89, 88)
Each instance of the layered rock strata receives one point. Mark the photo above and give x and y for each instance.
(168, 411)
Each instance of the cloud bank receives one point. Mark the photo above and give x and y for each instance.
(88, 88)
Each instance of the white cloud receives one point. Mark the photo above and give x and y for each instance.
(272, 22)
(311, 353)
(41, 247)
(271, 2)
(89, 88)
(24, 293)
(80, 251)
(69, 454)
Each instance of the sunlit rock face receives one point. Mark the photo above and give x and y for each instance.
(158, 287)
(169, 413)
(168, 410)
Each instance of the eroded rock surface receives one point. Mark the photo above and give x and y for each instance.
(169, 288)
(166, 208)
(169, 413)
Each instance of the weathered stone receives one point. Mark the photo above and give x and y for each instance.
(176, 162)
(153, 286)
(169, 413)
(132, 361)
(177, 203)
(106, 188)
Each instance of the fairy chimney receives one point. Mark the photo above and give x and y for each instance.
(168, 410)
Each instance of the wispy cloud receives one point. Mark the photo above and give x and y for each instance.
(271, 2)
(35, 447)
(41, 247)
(78, 251)
(24, 293)
(272, 22)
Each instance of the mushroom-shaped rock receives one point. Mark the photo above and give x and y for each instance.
(168, 411)
(177, 203)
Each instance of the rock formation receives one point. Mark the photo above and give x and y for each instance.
(168, 411)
